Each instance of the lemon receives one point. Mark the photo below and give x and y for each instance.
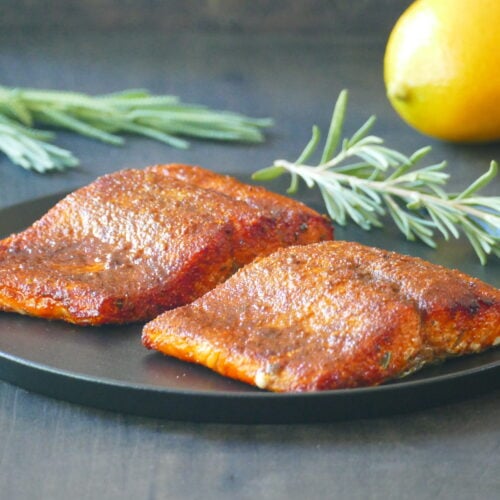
(442, 68)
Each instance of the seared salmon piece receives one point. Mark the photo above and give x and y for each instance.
(137, 242)
(330, 315)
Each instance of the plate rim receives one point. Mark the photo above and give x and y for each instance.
(13, 363)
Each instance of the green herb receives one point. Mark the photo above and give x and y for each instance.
(29, 148)
(163, 118)
(385, 360)
(361, 179)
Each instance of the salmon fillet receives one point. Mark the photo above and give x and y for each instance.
(330, 315)
(137, 242)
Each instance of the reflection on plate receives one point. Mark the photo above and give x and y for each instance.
(108, 368)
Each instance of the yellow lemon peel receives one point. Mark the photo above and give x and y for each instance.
(441, 69)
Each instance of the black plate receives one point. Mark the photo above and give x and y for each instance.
(108, 368)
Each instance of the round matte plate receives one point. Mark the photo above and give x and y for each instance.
(107, 367)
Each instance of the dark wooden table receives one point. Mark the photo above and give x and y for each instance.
(255, 59)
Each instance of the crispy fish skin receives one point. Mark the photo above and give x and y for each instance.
(330, 315)
(137, 242)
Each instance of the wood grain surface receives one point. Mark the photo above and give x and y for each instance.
(55, 450)
(357, 18)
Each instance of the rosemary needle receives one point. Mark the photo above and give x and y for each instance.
(362, 180)
(163, 118)
(29, 148)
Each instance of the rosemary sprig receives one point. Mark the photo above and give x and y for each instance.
(162, 118)
(29, 148)
(361, 179)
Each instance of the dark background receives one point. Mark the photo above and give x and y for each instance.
(287, 60)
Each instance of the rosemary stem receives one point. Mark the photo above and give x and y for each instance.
(361, 179)
(107, 118)
(390, 187)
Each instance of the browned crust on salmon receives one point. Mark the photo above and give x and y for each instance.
(137, 242)
(331, 315)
